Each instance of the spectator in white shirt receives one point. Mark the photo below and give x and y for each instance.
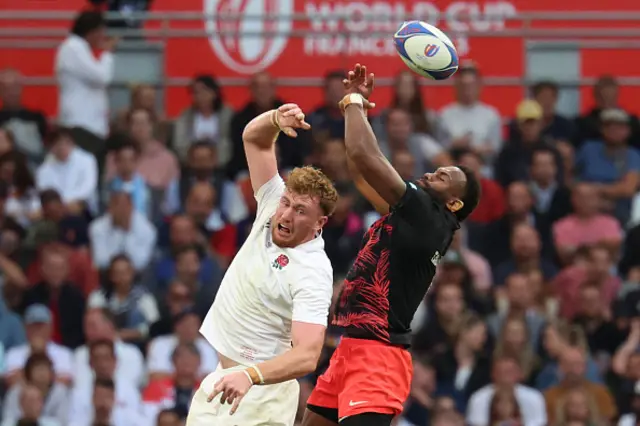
(506, 374)
(32, 404)
(71, 171)
(122, 230)
(83, 81)
(100, 325)
(38, 327)
(101, 406)
(186, 326)
(127, 403)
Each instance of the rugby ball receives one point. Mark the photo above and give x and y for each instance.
(426, 50)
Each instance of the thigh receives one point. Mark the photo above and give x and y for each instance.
(368, 419)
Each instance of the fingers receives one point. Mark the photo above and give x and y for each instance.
(290, 132)
(219, 387)
(370, 81)
(236, 402)
(287, 107)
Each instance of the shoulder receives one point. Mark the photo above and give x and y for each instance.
(18, 351)
(100, 224)
(128, 351)
(80, 155)
(307, 267)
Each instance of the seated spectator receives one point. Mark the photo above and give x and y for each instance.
(71, 171)
(122, 230)
(421, 402)
(156, 164)
(39, 328)
(630, 248)
(519, 302)
(332, 159)
(186, 326)
(505, 376)
(504, 408)
(63, 298)
(403, 162)
(23, 204)
(573, 368)
(426, 151)
(27, 126)
(556, 127)
(611, 164)
(202, 165)
(514, 341)
(626, 365)
(143, 96)
(206, 119)
(327, 121)
(468, 122)
(126, 178)
(526, 256)
(99, 325)
(454, 269)
(578, 407)
(478, 266)
(175, 300)
(491, 206)
(39, 373)
(31, 400)
(133, 308)
(12, 332)
(466, 355)
(168, 417)
(103, 407)
(177, 391)
(102, 359)
(593, 268)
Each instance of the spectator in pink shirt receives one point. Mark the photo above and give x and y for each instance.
(587, 226)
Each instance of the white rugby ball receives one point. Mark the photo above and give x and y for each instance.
(426, 50)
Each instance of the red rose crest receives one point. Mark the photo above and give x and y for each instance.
(281, 262)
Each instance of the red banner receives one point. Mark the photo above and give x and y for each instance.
(297, 51)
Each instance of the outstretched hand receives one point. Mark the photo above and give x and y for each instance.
(359, 82)
(290, 117)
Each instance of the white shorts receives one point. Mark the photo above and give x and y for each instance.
(270, 405)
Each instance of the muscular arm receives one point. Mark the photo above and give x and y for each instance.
(259, 137)
(363, 151)
(301, 360)
(366, 190)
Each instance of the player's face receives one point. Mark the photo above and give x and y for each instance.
(297, 220)
(445, 183)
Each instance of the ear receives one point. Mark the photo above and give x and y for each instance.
(454, 205)
(321, 222)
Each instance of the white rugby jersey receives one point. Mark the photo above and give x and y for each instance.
(266, 288)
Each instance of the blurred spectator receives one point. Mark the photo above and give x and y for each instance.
(38, 373)
(518, 303)
(470, 123)
(492, 202)
(578, 407)
(168, 417)
(404, 163)
(143, 96)
(122, 230)
(514, 159)
(202, 165)
(631, 247)
(83, 81)
(23, 203)
(177, 391)
(185, 331)
(39, 330)
(626, 365)
(573, 366)
(611, 164)
(126, 178)
(605, 94)
(31, 407)
(100, 407)
(177, 298)
(102, 358)
(504, 408)
(333, 160)
(505, 377)
(7, 141)
(291, 152)
(12, 332)
(343, 232)
(586, 226)
(476, 264)
(428, 154)
(23, 127)
(65, 301)
(515, 341)
(99, 325)
(71, 171)
(128, 9)
(327, 121)
(463, 369)
(421, 402)
(556, 127)
(133, 308)
(208, 119)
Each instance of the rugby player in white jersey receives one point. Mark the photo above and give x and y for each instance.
(268, 320)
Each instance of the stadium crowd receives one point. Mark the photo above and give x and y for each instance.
(116, 228)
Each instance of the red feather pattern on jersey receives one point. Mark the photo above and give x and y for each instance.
(365, 294)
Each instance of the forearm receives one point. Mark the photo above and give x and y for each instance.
(293, 364)
(359, 137)
(261, 131)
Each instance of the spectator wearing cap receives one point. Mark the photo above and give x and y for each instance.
(71, 171)
(326, 120)
(207, 119)
(468, 122)
(175, 391)
(39, 330)
(122, 230)
(606, 93)
(611, 163)
(185, 331)
(83, 81)
(514, 159)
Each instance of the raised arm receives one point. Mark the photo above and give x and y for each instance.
(259, 139)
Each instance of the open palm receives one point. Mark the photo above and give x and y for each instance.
(358, 81)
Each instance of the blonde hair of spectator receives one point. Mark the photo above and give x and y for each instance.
(561, 408)
(310, 181)
(527, 359)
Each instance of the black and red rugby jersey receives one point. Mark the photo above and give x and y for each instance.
(394, 268)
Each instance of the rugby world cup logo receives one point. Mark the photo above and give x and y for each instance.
(431, 50)
(236, 38)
